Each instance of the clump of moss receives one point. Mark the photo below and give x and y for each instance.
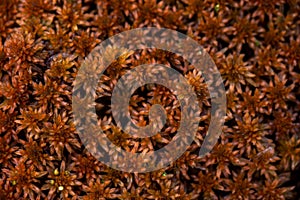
(256, 47)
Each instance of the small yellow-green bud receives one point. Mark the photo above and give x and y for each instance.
(61, 188)
(217, 7)
(52, 182)
(56, 172)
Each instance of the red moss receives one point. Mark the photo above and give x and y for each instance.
(255, 45)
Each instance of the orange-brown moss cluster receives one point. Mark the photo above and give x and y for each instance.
(256, 47)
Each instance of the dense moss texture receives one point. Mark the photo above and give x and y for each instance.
(256, 47)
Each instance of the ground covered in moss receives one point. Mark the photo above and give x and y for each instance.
(256, 47)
